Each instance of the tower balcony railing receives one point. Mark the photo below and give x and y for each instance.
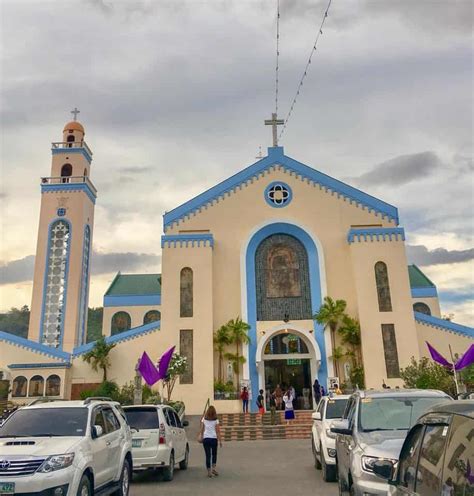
(71, 144)
(69, 180)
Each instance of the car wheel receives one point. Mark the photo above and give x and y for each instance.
(329, 471)
(85, 488)
(317, 463)
(124, 483)
(183, 465)
(168, 472)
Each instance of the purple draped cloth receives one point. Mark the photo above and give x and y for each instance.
(148, 370)
(165, 362)
(437, 357)
(466, 359)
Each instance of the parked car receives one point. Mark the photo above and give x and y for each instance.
(158, 439)
(323, 441)
(437, 457)
(66, 447)
(374, 426)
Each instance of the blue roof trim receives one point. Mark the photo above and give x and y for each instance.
(117, 338)
(446, 325)
(34, 346)
(173, 240)
(375, 233)
(46, 188)
(277, 157)
(131, 300)
(60, 365)
(82, 151)
(425, 292)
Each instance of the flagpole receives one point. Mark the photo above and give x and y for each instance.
(454, 372)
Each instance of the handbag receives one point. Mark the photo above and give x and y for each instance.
(199, 439)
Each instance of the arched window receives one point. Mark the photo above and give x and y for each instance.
(121, 322)
(19, 387)
(186, 293)
(36, 386)
(84, 286)
(383, 287)
(422, 308)
(151, 316)
(56, 276)
(66, 173)
(53, 385)
(285, 344)
(70, 140)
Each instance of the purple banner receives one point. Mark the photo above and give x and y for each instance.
(148, 370)
(466, 359)
(437, 357)
(164, 363)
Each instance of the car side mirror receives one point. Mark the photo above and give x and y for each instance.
(97, 431)
(384, 469)
(316, 416)
(184, 423)
(341, 427)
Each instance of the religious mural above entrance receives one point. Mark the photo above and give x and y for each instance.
(285, 344)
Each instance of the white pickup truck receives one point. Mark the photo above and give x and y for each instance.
(68, 448)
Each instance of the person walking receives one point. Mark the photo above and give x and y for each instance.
(317, 391)
(273, 420)
(289, 411)
(293, 394)
(210, 435)
(261, 402)
(278, 396)
(244, 396)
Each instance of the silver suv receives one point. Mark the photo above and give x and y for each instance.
(373, 428)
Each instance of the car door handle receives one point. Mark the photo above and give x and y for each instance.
(107, 443)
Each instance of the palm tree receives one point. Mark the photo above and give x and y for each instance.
(350, 332)
(221, 340)
(98, 357)
(330, 315)
(238, 332)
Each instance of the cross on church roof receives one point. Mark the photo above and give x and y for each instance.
(274, 122)
(75, 112)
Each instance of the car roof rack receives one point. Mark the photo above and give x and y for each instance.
(45, 399)
(97, 398)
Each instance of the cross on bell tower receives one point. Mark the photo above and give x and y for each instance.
(274, 122)
(75, 112)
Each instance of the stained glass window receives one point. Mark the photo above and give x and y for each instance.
(36, 386)
(151, 316)
(186, 292)
(53, 385)
(121, 322)
(55, 287)
(84, 284)
(284, 344)
(422, 308)
(19, 386)
(383, 287)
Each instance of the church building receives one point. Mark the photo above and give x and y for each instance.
(267, 244)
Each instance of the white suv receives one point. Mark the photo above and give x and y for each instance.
(158, 438)
(66, 448)
(323, 440)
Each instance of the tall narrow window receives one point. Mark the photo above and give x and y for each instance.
(186, 350)
(390, 351)
(66, 173)
(121, 322)
(84, 285)
(53, 385)
(20, 385)
(186, 293)
(54, 298)
(383, 287)
(36, 386)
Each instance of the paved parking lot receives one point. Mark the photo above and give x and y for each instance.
(250, 468)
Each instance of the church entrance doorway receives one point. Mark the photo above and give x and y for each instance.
(288, 362)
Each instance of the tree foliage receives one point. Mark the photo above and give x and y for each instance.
(16, 321)
(98, 357)
(94, 323)
(221, 340)
(176, 368)
(238, 333)
(426, 374)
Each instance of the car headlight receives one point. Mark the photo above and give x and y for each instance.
(56, 462)
(330, 434)
(368, 462)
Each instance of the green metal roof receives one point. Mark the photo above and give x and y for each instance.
(418, 279)
(135, 284)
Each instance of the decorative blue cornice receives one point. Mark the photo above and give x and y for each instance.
(68, 151)
(187, 240)
(118, 338)
(60, 365)
(48, 188)
(34, 346)
(131, 300)
(445, 325)
(277, 159)
(376, 234)
(424, 292)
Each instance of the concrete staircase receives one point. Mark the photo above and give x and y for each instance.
(253, 426)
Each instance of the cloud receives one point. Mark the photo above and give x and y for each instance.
(136, 170)
(22, 270)
(421, 255)
(400, 170)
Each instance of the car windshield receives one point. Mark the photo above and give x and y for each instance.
(395, 413)
(142, 418)
(37, 422)
(335, 408)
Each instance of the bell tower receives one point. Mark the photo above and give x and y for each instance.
(61, 278)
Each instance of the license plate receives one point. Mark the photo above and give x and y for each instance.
(7, 488)
(136, 443)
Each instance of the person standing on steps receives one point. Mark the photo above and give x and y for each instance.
(261, 403)
(244, 396)
(273, 419)
(278, 396)
(210, 435)
(289, 411)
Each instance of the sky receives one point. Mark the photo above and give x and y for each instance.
(173, 95)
